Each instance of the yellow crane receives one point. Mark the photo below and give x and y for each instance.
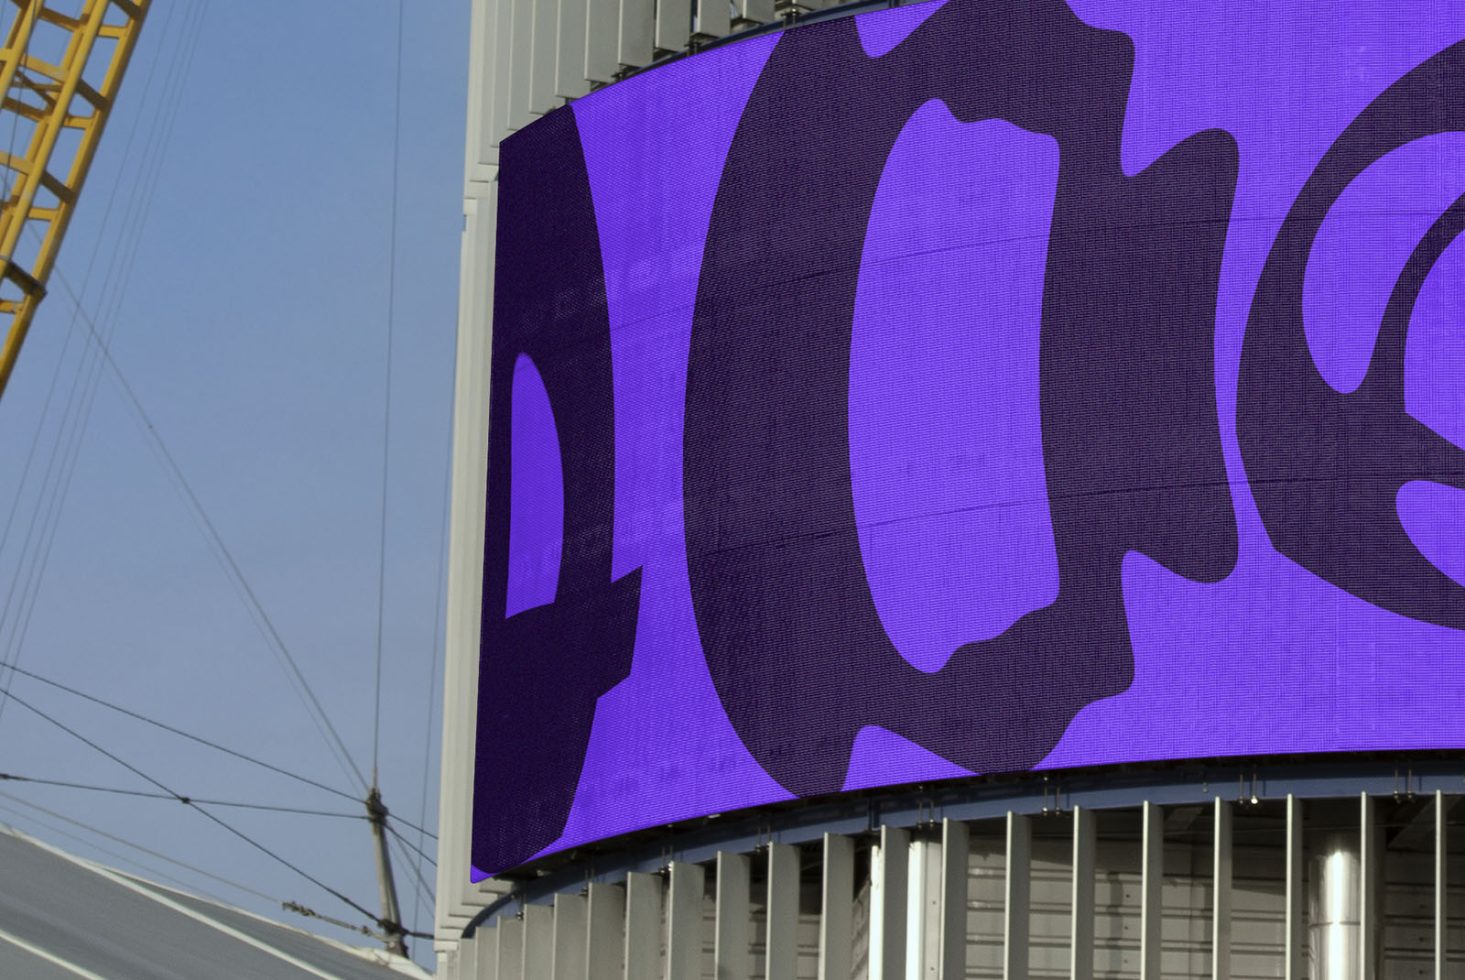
(60, 69)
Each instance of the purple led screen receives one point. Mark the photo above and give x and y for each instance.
(969, 387)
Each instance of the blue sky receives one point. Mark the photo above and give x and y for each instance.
(253, 329)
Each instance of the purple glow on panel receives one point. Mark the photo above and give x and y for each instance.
(1363, 245)
(1434, 360)
(953, 505)
(662, 727)
(881, 32)
(1252, 663)
(537, 501)
(964, 308)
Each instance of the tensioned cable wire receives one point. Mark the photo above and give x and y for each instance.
(46, 509)
(154, 875)
(78, 406)
(86, 279)
(215, 818)
(142, 196)
(181, 733)
(421, 854)
(55, 483)
(381, 568)
(419, 884)
(10, 777)
(211, 531)
(135, 846)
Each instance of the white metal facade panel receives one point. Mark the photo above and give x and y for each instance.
(673, 24)
(714, 17)
(635, 32)
(644, 935)
(570, 932)
(569, 59)
(606, 943)
(544, 56)
(837, 911)
(602, 39)
(755, 11)
(732, 959)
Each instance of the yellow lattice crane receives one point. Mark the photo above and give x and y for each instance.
(60, 69)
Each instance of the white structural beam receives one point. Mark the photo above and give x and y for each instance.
(1221, 892)
(1017, 897)
(890, 877)
(643, 927)
(673, 24)
(538, 942)
(837, 910)
(487, 959)
(1151, 890)
(1293, 941)
(755, 11)
(510, 962)
(781, 959)
(1081, 945)
(1441, 885)
(521, 64)
(602, 39)
(955, 875)
(570, 929)
(1370, 854)
(468, 952)
(687, 883)
(714, 18)
(731, 927)
(543, 55)
(569, 58)
(634, 33)
(605, 942)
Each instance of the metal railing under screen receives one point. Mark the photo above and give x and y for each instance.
(1342, 888)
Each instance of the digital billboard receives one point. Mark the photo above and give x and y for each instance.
(975, 387)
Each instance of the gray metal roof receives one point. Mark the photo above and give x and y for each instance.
(63, 917)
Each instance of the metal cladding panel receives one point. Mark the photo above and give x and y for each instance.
(971, 387)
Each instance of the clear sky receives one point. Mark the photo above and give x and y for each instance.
(253, 328)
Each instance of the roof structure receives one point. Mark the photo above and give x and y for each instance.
(63, 917)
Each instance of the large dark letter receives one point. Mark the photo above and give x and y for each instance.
(1325, 468)
(543, 669)
(1132, 445)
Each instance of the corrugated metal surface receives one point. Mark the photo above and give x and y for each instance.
(63, 917)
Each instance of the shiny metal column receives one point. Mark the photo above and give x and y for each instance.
(1151, 889)
(1294, 964)
(955, 849)
(731, 958)
(890, 869)
(1081, 947)
(1441, 885)
(569, 937)
(688, 882)
(605, 944)
(1335, 898)
(511, 950)
(837, 913)
(1371, 851)
(538, 942)
(1017, 904)
(643, 927)
(1221, 893)
(781, 961)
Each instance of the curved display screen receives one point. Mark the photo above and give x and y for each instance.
(975, 387)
